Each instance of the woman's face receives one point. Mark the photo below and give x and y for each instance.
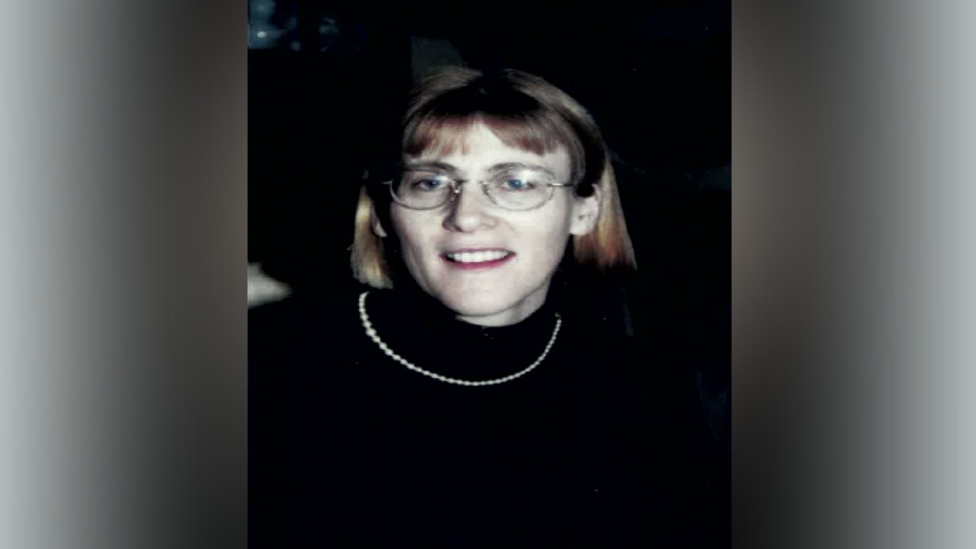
(491, 266)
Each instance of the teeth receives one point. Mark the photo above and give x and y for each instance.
(477, 257)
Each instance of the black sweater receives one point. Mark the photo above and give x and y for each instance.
(597, 446)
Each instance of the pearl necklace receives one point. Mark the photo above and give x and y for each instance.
(371, 332)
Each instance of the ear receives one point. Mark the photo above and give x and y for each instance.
(586, 212)
(374, 222)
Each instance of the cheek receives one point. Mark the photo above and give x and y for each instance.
(557, 227)
(547, 241)
(414, 234)
(404, 228)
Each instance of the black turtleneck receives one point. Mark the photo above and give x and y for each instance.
(422, 331)
(350, 447)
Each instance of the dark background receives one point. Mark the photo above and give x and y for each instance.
(325, 80)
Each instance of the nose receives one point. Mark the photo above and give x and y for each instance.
(470, 210)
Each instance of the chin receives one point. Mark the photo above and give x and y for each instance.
(473, 305)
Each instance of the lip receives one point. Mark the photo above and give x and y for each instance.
(484, 265)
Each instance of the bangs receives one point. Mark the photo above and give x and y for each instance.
(444, 136)
(440, 127)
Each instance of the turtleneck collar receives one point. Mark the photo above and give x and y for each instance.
(420, 329)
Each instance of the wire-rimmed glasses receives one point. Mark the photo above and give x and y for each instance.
(517, 190)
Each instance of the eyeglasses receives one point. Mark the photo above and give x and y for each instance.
(517, 191)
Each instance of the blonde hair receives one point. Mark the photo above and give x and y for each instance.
(523, 111)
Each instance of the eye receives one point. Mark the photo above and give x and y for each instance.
(517, 184)
(428, 184)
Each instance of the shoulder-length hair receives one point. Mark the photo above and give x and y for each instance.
(523, 111)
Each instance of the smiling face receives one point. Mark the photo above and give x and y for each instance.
(489, 265)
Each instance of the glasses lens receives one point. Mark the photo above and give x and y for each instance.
(521, 191)
(422, 189)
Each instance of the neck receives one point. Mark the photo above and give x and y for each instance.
(511, 315)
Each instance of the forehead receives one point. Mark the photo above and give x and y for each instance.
(478, 149)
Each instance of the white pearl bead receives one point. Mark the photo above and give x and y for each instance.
(371, 332)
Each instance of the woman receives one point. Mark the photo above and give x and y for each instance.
(461, 399)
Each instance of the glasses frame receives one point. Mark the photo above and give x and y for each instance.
(456, 184)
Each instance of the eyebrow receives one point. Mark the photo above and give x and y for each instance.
(521, 166)
(431, 164)
(444, 166)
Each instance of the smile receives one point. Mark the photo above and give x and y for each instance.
(478, 259)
